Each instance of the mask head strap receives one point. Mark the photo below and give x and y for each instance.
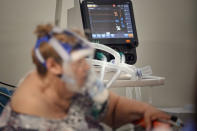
(37, 51)
(82, 46)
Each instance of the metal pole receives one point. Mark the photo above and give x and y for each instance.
(58, 11)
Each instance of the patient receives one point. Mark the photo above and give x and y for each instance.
(57, 95)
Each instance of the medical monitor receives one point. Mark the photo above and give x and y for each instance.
(110, 22)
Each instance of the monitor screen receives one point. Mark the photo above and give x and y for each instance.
(110, 21)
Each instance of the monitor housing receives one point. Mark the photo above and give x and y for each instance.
(112, 23)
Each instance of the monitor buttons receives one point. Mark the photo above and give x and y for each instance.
(128, 41)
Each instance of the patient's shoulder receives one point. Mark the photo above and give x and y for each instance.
(26, 96)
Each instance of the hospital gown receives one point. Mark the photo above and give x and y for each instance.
(78, 119)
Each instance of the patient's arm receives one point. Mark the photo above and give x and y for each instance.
(122, 111)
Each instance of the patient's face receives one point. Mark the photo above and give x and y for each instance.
(80, 69)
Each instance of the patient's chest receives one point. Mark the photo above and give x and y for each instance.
(76, 120)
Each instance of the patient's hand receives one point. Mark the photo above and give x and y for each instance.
(152, 114)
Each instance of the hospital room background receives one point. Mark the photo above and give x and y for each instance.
(167, 33)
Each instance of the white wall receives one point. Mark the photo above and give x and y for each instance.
(18, 19)
(167, 34)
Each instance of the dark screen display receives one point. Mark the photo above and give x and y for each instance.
(110, 21)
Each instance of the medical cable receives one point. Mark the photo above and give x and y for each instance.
(2, 105)
(122, 59)
(108, 50)
(5, 94)
(101, 56)
(3, 83)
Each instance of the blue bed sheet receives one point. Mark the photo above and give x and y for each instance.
(4, 99)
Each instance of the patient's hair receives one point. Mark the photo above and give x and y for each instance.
(46, 50)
